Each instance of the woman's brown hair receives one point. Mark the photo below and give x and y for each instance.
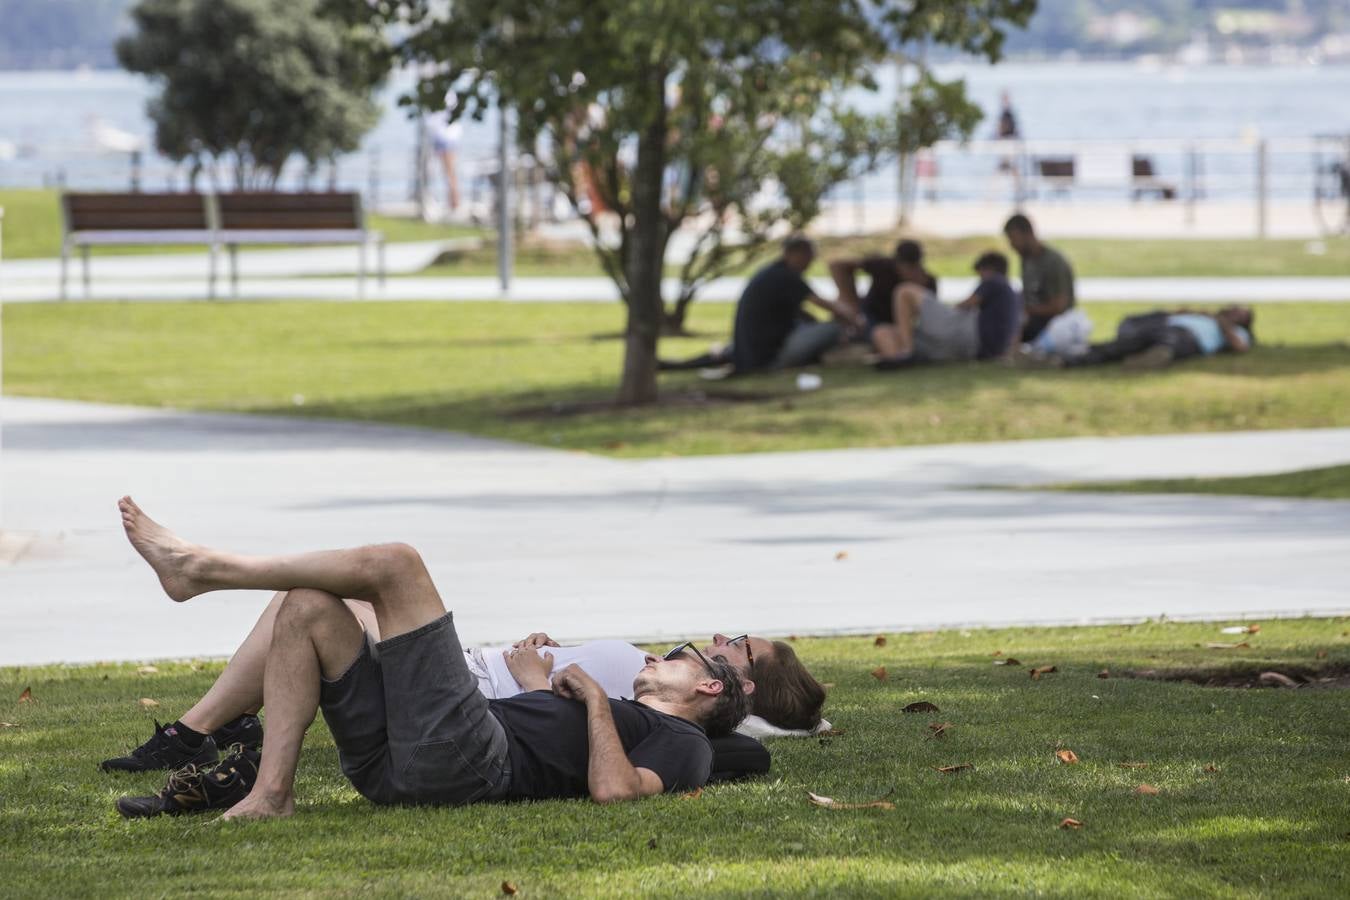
(785, 693)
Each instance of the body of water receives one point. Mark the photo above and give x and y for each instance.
(50, 122)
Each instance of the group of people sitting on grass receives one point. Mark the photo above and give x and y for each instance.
(900, 322)
(363, 636)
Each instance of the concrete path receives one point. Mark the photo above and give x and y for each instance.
(521, 538)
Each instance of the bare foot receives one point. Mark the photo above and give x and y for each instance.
(174, 560)
(258, 806)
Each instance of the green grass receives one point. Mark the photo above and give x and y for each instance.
(33, 229)
(502, 369)
(1269, 822)
(1329, 483)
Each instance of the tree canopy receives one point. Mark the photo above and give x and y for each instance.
(723, 113)
(253, 83)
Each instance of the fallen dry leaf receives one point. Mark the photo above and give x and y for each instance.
(1071, 823)
(841, 556)
(147, 670)
(879, 641)
(1277, 678)
(1042, 670)
(26, 696)
(1321, 654)
(998, 653)
(1068, 757)
(919, 706)
(651, 843)
(10, 725)
(879, 673)
(792, 637)
(508, 888)
(1147, 790)
(147, 703)
(1253, 629)
(939, 729)
(692, 795)
(827, 685)
(1217, 645)
(947, 770)
(1132, 765)
(1211, 768)
(831, 803)
(1104, 673)
(1010, 661)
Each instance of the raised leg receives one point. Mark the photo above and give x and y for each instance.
(897, 340)
(314, 637)
(239, 689)
(391, 577)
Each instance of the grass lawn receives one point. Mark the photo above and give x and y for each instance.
(33, 229)
(518, 371)
(1329, 483)
(1252, 788)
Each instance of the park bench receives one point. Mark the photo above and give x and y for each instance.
(1103, 169)
(105, 220)
(214, 220)
(318, 218)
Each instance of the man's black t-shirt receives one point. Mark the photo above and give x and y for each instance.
(878, 304)
(768, 310)
(549, 744)
(1000, 316)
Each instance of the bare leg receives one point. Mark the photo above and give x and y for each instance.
(314, 637)
(239, 689)
(391, 577)
(898, 339)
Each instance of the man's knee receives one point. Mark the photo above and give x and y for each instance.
(305, 607)
(387, 564)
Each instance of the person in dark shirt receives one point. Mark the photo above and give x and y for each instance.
(1047, 277)
(1156, 340)
(878, 304)
(983, 326)
(409, 722)
(772, 329)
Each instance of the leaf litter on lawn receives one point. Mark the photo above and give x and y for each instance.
(831, 803)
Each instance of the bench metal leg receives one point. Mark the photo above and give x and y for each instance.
(84, 260)
(361, 275)
(234, 271)
(211, 252)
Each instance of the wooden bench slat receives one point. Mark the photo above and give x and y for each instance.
(290, 221)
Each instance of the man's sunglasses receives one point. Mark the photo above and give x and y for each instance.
(678, 651)
(749, 654)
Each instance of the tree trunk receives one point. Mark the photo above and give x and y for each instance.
(646, 311)
(677, 315)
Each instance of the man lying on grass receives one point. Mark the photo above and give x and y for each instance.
(1156, 340)
(782, 695)
(405, 713)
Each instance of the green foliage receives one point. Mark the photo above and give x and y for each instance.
(253, 83)
(730, 97)
(1268, 820)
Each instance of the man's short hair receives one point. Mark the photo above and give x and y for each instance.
(799, 243)
(908, 251)
(1018, 222)
(729, 707)
(786, 694)
(992, 260)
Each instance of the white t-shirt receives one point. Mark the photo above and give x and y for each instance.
(614, 664)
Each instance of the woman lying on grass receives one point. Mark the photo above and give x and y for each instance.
(783, 694)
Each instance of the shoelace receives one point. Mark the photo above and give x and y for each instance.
(182, 779)
(145, 749)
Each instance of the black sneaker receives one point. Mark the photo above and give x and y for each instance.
(246, 730)
(196, 789)
(165, 750)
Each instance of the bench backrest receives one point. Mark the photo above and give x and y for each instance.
(135, 212)
(287, 212)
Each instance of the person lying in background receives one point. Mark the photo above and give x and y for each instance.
(1156, 340)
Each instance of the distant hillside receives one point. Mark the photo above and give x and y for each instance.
(61, 34)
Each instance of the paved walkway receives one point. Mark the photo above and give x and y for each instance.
(521, 537)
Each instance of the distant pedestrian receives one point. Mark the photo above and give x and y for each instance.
(1007, 120)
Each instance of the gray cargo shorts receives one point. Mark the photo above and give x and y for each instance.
(410, 724)
(945, 333)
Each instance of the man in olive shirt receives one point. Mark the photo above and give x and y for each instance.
(1047, 278)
